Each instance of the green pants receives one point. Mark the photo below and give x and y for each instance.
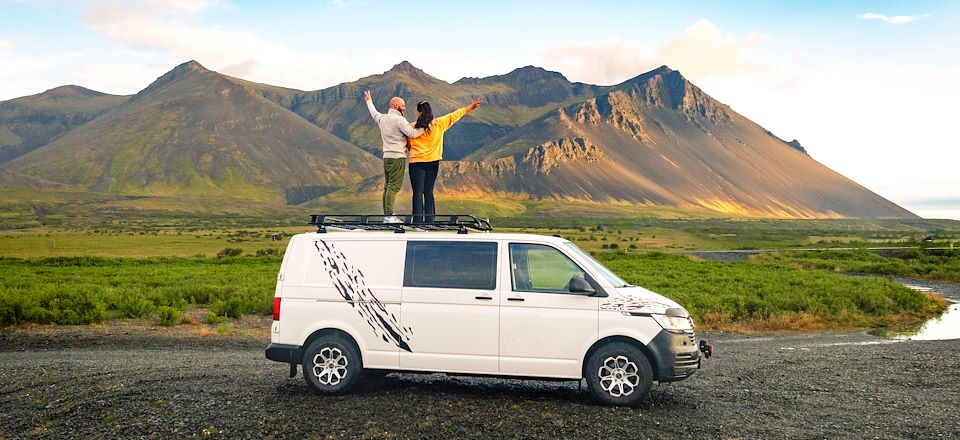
(393, 180)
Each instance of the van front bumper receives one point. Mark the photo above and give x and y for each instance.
(291, 354)
(677, 355)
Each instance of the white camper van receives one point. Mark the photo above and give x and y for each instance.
(360, 295)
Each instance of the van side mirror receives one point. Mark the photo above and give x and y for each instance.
(580, 286)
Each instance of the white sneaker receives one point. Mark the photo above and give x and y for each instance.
(392, 219)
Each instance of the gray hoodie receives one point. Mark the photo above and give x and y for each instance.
(394, 130)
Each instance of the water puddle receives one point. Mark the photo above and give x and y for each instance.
(946, 326)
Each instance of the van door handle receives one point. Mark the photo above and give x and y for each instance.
(515, 298)
(485, 298)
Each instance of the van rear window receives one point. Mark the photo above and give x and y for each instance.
(451, 265)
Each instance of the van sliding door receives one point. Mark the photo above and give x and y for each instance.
(450, 305)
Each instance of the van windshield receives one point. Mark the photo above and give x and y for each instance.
(599, 268)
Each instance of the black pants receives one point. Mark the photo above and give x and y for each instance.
(422, 177)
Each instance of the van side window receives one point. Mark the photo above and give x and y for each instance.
(451, 265)
(540, 268)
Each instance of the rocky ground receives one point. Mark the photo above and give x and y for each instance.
(118, 381)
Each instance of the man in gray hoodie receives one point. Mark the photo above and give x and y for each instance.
(394, 131)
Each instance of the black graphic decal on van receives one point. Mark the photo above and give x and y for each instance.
(350, 282)
(627, 303)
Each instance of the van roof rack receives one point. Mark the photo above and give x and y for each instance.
(374, 222)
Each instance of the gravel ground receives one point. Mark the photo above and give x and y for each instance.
(95, 382)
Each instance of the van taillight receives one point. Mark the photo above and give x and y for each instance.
(276, 309)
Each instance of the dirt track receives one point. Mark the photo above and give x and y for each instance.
(81, 383)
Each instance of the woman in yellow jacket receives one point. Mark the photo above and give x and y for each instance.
(426, 151)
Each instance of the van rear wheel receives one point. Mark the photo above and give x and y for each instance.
(331, 365)
(618, 374)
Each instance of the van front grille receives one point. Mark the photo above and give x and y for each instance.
(685, 364)
(686, 360)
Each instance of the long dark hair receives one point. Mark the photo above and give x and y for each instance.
(426, 115)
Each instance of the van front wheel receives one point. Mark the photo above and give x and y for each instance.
(618, 374)
(331, 365)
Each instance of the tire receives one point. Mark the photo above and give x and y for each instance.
(332, 365)
(618, 374)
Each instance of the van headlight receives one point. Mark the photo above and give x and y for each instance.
(674, 321)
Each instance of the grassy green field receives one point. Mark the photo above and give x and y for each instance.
(81, 290)
(141, 244)
(81, 270)
(735, 296)
(764, 296)
(931, 264)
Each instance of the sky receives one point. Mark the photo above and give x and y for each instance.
(870, 89)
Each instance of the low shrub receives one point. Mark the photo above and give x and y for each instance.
(229, 252)
(135, 306)
(168, 315)
(270, 252)
(213, 318)
(241, 304)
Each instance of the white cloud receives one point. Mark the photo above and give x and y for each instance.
(116, 78)
(173, 29)
(895, 19)
(5, 43)
(700, 52)
(189, 7)
(703, 50)
(606, 63)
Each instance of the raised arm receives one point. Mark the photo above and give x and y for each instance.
(444, 122)
(371, 108)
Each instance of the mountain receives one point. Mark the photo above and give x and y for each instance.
(655, 140)
(514, 99)
(31, 121)
(659, 140)
(197, 132)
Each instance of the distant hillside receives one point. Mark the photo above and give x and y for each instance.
(196, 132)
(15, 180)
(30, 122)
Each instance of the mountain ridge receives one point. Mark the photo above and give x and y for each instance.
(653, 140)
(193, 131)
(29, 122)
